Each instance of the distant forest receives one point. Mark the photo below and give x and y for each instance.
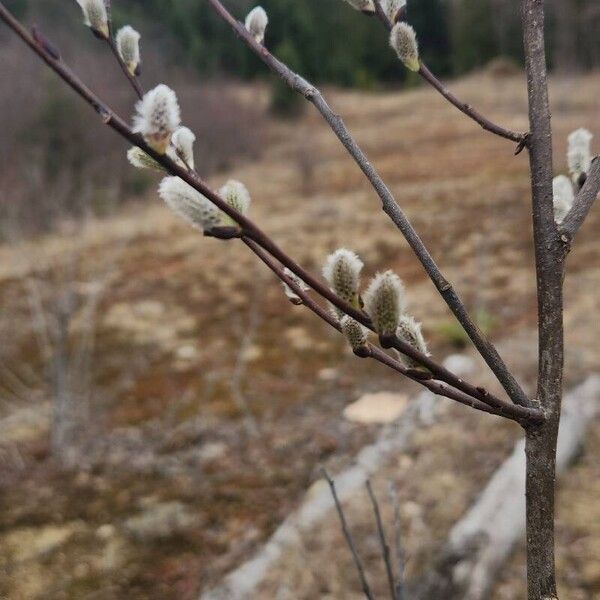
(327, 41)
(55, 158)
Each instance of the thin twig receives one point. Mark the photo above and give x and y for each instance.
(468, 110)
(465, 108)
(400, 558)
(509, 411)
(133, 80)
(359, 566)
(247, 335)
(582, 205)
(385, 549)
(389, 205)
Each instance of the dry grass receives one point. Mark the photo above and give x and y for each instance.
(166, 426)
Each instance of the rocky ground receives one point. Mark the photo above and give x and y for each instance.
(212, 402)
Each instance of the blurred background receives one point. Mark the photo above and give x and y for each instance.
(163, 408)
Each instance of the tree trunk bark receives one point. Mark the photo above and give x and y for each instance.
(541, 465)
(541, 440)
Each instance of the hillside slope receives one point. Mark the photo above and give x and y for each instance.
(174, 489)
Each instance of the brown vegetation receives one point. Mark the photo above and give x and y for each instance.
(166, 426)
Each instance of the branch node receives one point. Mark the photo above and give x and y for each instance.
(387, 340)
(362, 352)
(224, 232)
(522, 144)
(420, 374)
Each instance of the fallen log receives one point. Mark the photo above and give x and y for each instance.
(480, 543)
(242, 583)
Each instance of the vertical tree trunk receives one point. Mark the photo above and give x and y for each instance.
(541, 441)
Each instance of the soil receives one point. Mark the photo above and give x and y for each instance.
(192, 452)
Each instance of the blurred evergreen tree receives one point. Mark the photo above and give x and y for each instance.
(473, 36)
(336, 44)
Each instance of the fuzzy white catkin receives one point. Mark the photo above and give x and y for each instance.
(157, 117)
(385, 302)
(403, 40)
(579, 153)
(354, 332)
(409, 331)
(564, 196)
(95, 16)
(139, 159)
(289, 292)
(237, 196)
(393, 8)
(366, 6)
(183, 140)
(128, 45)
(189, 204)
(256, 23)
(342, 272)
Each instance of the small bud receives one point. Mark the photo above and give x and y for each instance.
(342, 271)
(403, 40)
(256, 23)
(564, 196)
(128, 45)
(409, 331)
(189, 204)
(384, 302)
(365, 6)
(236, 195)
(354, 332)
(289, 292)
(157, 117)
(579, 154)
(183, 140)
(95, 16)
(394, 9)
(139, 159)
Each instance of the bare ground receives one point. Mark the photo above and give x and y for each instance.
(172, 491)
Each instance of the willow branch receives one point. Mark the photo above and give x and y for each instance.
(248, 228)
(505, 409)
(133, 80)
(390, 206)
(465, 108)
(582, 205)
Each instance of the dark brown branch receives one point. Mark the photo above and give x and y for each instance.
(369, 350)
(133, 80)
(385, 549)
(468, 110)
(583, 204)
(509, 411)
(381, 15)
(465, 108)
(249, 228)
(441, 389)
(390, 206)
(358, 563)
